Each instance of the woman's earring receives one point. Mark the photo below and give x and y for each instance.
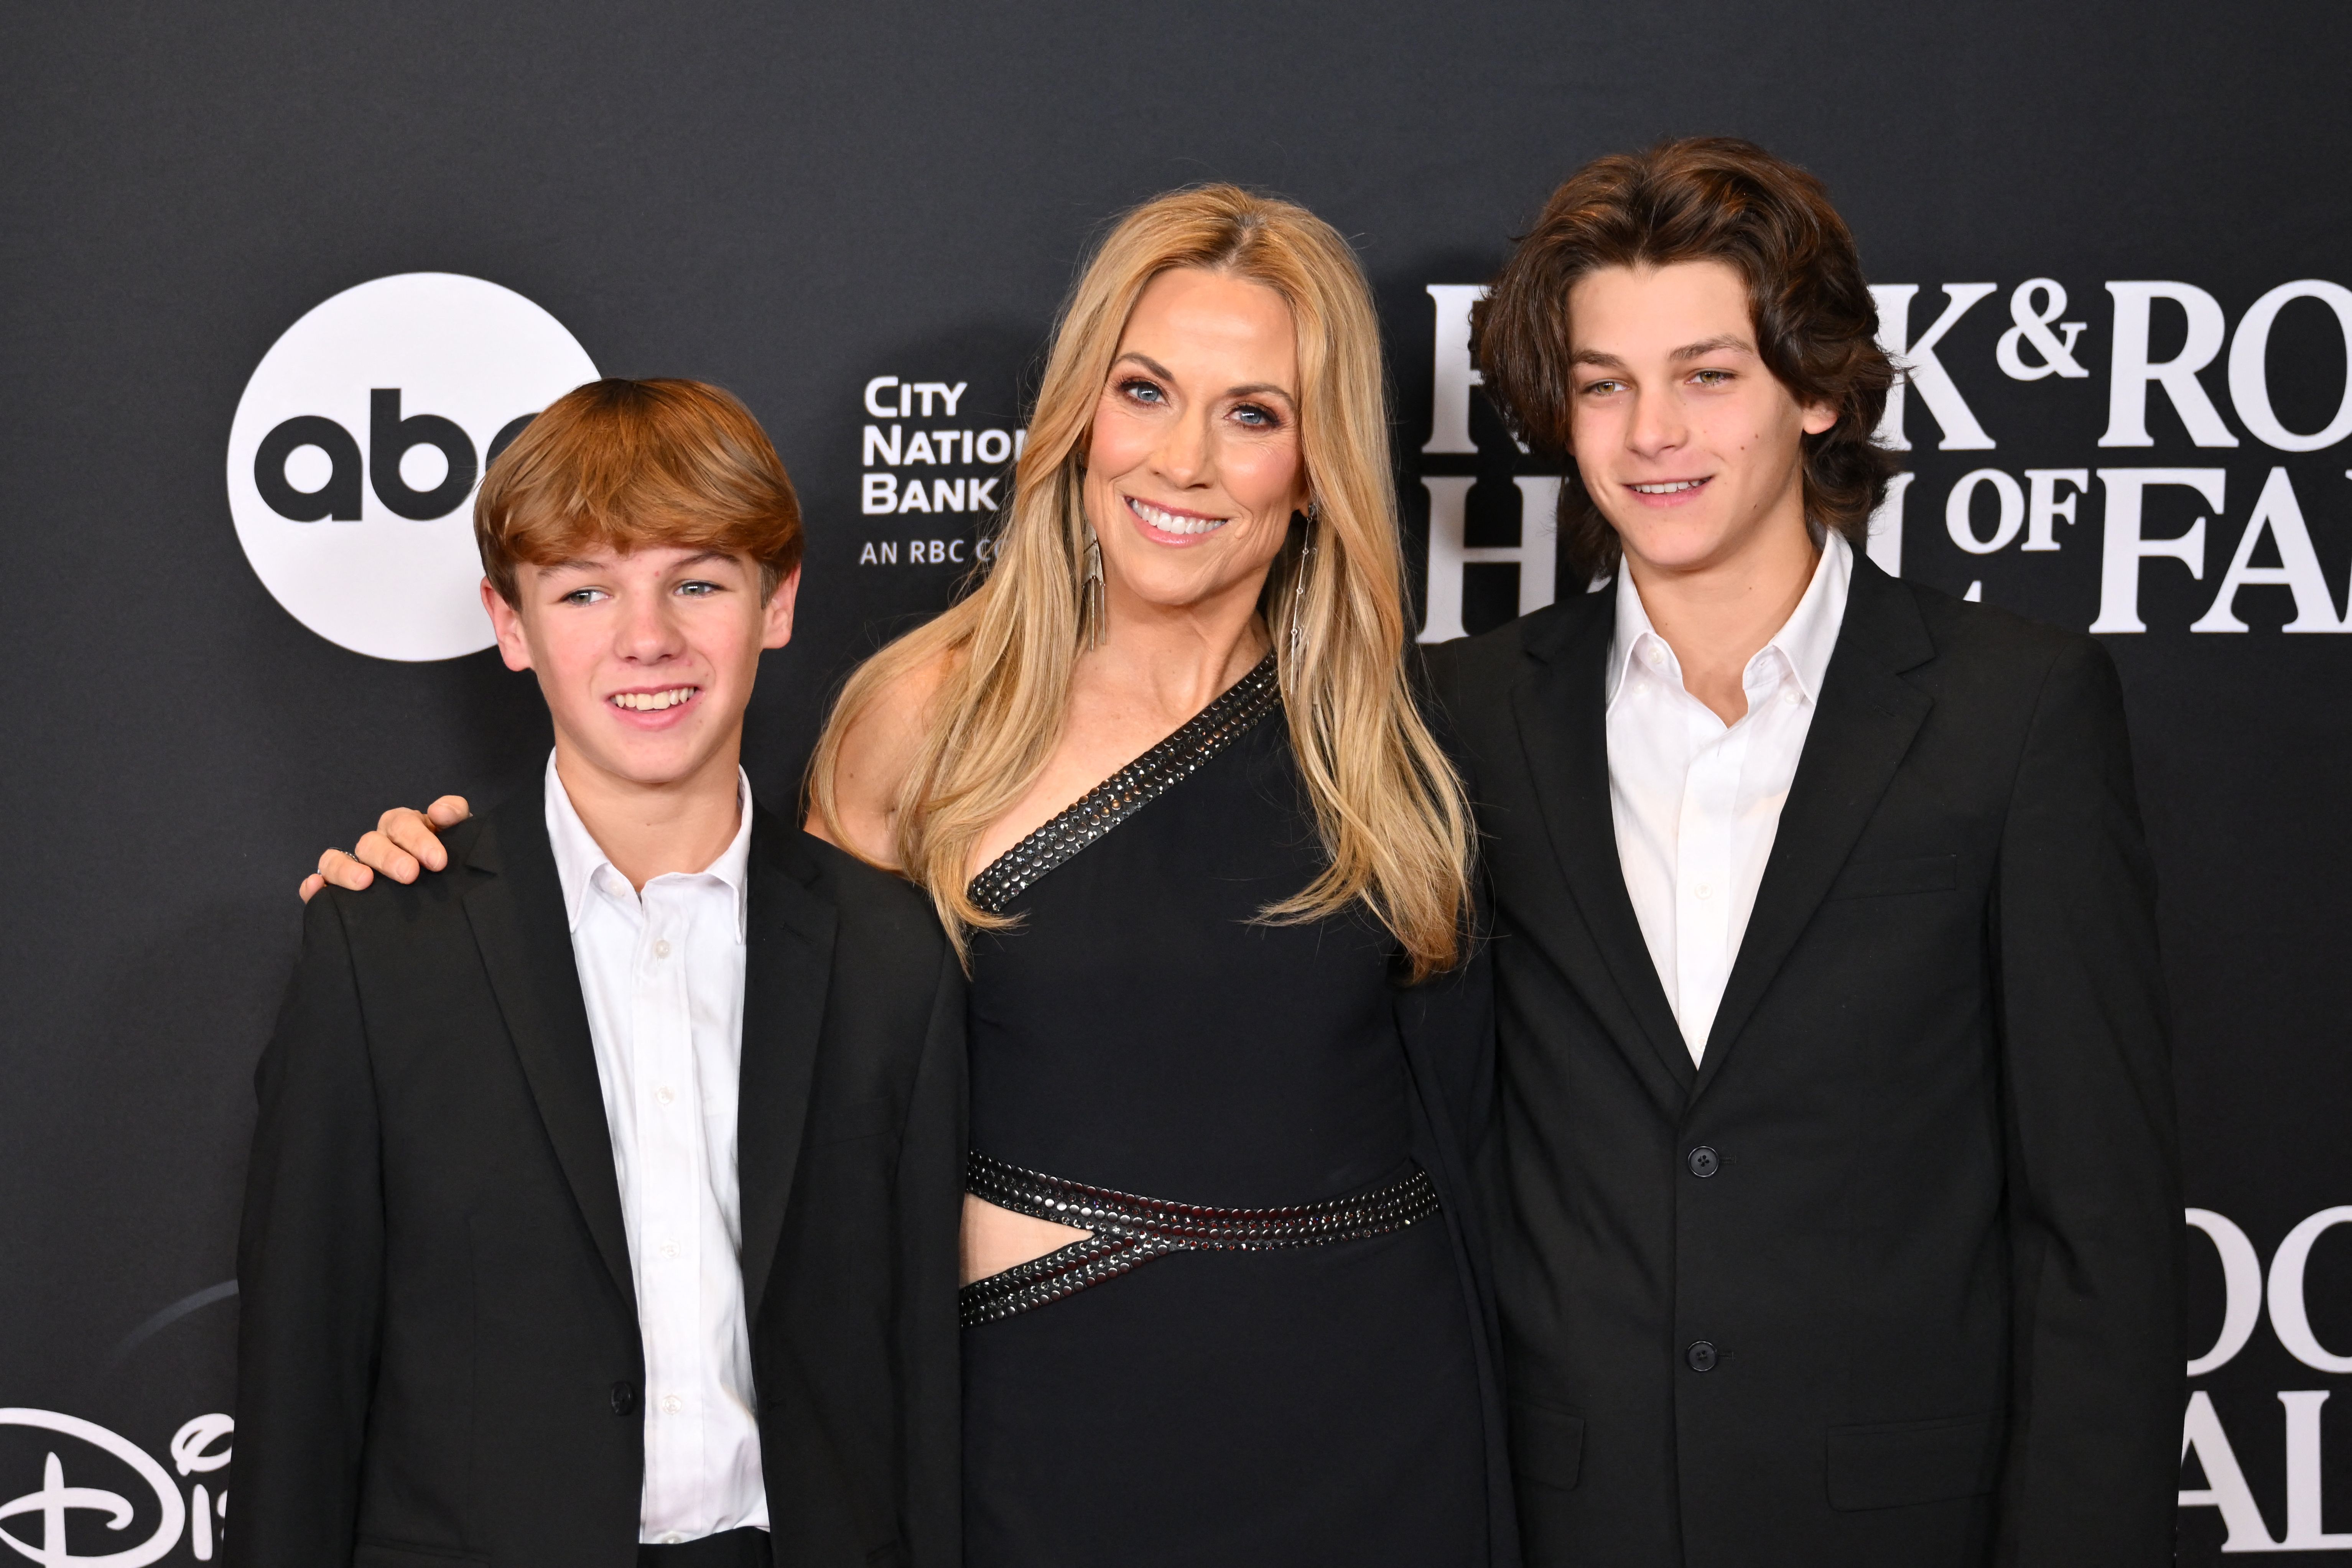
(1092, 589)
(1298, 588)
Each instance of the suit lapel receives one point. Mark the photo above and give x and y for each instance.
(787, 967)
(1560, 707)
(519, 922)
(1864, 726)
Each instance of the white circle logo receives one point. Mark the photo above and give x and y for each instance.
(358, 444)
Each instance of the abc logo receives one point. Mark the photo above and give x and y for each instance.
(359, 441)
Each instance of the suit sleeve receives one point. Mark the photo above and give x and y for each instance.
(1436, 675)
(2092, 1464)
(310, 1269)
(1447, 1024)
(1439, 678)
(930, 1197)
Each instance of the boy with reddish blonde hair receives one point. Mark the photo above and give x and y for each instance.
(602, 1207)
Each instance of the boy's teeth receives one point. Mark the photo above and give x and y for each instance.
(1169, 522)
(1667, 490)
(653, 701)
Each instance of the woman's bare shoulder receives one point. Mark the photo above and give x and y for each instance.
(875, 749)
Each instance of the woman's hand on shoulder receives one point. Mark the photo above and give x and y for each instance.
(403, 846)
(871, 760)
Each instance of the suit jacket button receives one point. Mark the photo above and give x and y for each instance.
(1701, 1356)
(1704, 1162)
(625, 1399)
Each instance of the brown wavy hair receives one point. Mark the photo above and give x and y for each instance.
(1705, 198)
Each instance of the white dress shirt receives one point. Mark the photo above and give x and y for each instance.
(1697, 802)
(662, 974)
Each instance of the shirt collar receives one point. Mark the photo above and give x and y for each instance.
(580, 860)
(1810, 635)
(1805, 640)
(1632, 639)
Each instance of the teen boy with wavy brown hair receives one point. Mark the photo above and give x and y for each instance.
(1836, 1157)
(602, 1208)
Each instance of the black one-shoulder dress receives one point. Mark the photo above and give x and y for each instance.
(1300, 1402)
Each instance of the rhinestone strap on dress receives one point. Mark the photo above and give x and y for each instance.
(1127, 791)
(1131, 1230)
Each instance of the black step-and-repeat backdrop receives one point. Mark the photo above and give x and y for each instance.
(273, 283)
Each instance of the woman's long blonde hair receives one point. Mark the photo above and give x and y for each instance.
(1390, 809)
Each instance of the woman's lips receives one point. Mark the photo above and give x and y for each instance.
(1171, 527)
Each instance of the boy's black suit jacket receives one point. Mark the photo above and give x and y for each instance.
(1932, 1241)
(439, 1358)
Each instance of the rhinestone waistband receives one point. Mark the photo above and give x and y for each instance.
(1131, 1230)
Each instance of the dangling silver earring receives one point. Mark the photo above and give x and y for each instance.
(1092, 590)
(1298, 587)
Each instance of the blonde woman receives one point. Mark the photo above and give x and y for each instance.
(1162, 777)
(1162, 774)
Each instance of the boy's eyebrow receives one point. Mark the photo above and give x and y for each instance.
(1714, 345)
(586, 563)
(1727, 342)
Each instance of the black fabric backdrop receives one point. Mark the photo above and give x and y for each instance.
(792, 201)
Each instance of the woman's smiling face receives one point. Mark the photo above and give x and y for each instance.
(1193, 465)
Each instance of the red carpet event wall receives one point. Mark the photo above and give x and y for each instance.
(276, 283)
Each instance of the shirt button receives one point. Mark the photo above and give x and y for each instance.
(1792, 696)
(1655, 654)
(669, 1249)
(664, 1095)
(674, 1539)
(672, 1404)
(661, 947)
(1704, 890)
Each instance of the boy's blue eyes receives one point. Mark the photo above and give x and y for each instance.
(698, 589)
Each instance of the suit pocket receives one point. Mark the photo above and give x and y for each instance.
(1882, 878)
(1910, 1462)
(1546, 1445)
(372, 1553)
(859, 1119)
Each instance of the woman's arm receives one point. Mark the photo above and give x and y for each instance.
(876, 752)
